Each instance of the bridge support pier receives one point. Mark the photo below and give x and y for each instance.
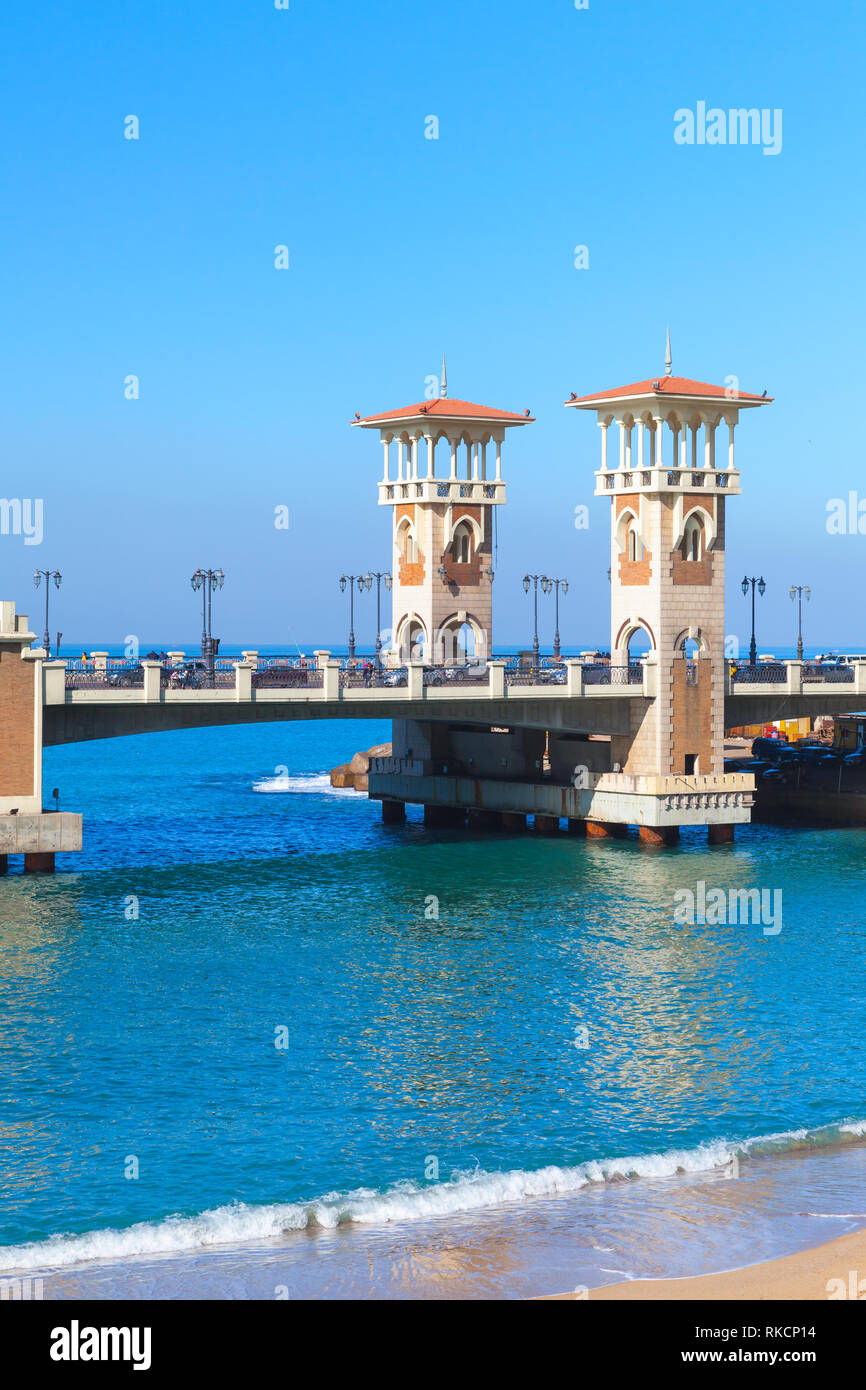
(39, 863)
(547, 825)
(605, 830)
(4, 864)
(393, 812)
(720, 834)
(577, 827)
(444, 815)
(513, 820)
(484, 820)
(658, 836)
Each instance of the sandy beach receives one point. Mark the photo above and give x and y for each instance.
(808, 1275)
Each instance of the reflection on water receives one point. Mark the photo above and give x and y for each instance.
(552, 1015)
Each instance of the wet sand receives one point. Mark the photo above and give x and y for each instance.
(808, 1275)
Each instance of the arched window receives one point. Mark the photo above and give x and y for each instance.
(693, 539)
(631, 548)
(406, 543)
(461, 545)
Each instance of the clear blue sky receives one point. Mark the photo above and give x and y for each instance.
(261, 126)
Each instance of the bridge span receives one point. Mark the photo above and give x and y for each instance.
(592, 699)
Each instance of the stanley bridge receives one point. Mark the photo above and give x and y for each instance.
(628, 743)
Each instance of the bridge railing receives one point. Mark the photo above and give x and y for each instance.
(108, 675)
(779, 673)
(601, 673)
(283, 676)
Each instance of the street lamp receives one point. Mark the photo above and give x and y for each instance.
(532, 581)
(207, 581)
(556, 584)
(379, 576)
(47, 575)
(761, 586)
(363, 581)
(799, 592)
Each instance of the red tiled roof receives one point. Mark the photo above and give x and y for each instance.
(668, 386)
(445, 408)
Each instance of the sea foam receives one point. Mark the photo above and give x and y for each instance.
(317, 782)
(240, 1223)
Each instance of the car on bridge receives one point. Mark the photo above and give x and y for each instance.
(188, 675)
(126, 678)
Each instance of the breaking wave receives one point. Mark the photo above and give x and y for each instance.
(239, 1222)
(318, 782)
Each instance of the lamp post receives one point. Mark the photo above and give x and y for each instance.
(799, 592)
(47, 575)
(532, 581)
(363, 581)
(761, 586)
(207, 581)
(556, 585)
(379, 576)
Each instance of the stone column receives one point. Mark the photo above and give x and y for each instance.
(496, 672)
(659, 442)
(152, 687)
(243, 682)
(54, 682)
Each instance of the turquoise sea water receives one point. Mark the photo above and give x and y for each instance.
(471, 1018)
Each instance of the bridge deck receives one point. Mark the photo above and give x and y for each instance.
(73, 715)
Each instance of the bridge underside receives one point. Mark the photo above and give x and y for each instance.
(80, 723)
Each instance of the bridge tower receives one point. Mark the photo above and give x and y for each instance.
(668, 478)
(447, 480)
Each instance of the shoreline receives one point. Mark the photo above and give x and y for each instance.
(806, 1276)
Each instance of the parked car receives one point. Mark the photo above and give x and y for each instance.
(280, 675)
(129, 676)
(555, 675)
(188, 675)
(769, 748)
(396, 677)
(472, 671)
(777, 776)
(857, 758)
(816, 757)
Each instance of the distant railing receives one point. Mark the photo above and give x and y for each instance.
(600, 673)
(275, 673)
(768, 673)
(114, 675)
(359, 678)
(840, 675)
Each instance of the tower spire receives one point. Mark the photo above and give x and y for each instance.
(443, 389)
(668, 359)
